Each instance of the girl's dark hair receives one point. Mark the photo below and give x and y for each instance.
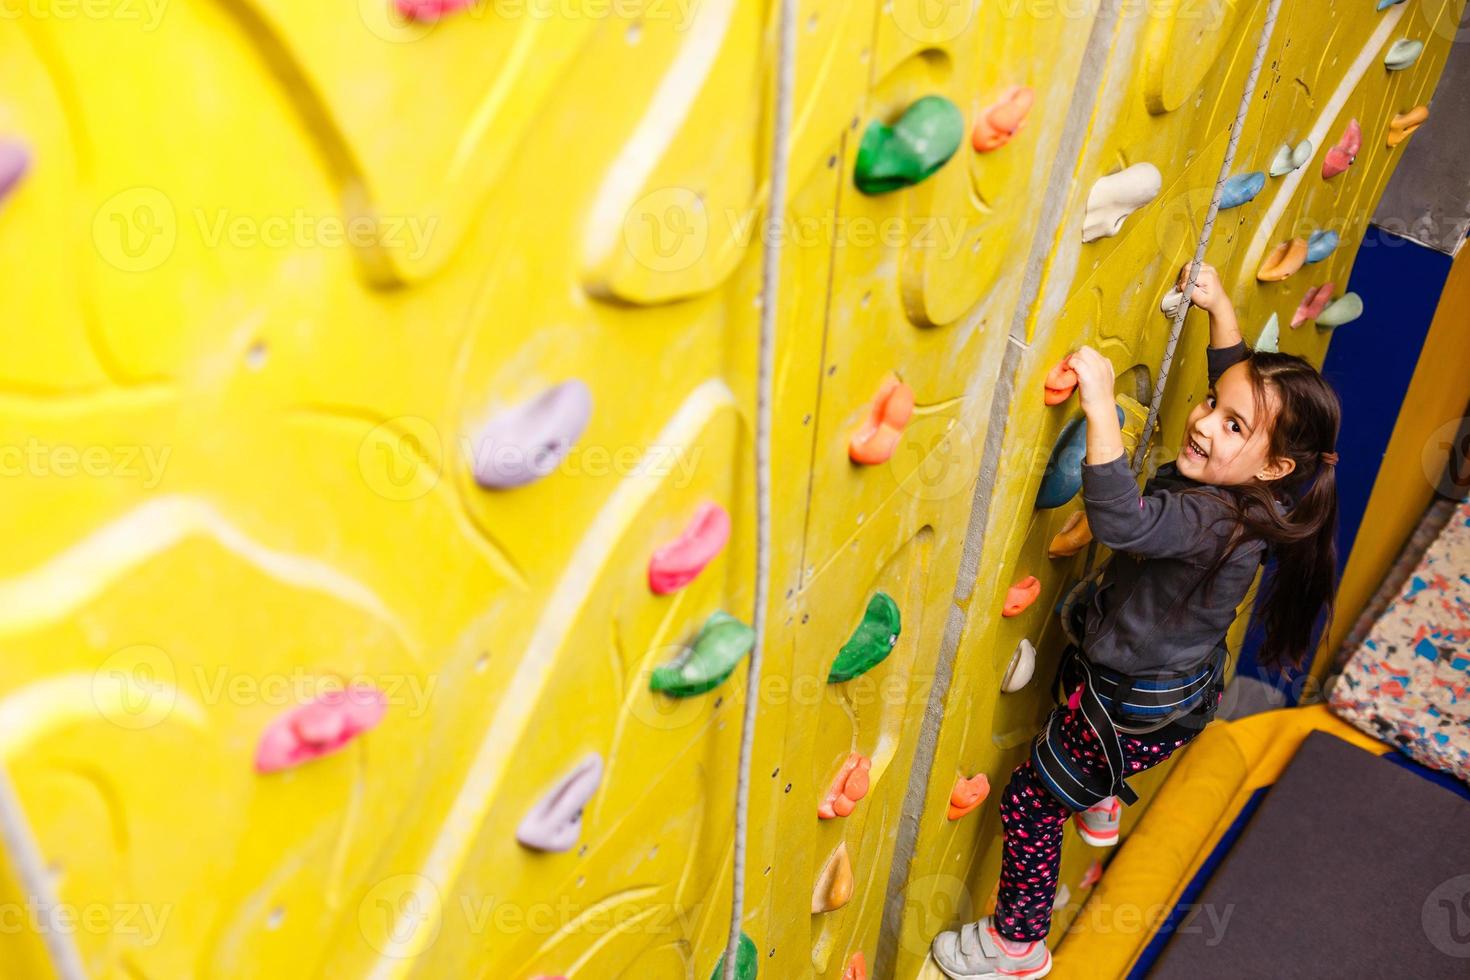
(1303, 540)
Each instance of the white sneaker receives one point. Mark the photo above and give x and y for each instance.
(1098, 826)
(976, 951)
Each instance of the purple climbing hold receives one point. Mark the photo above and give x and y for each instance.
(555, 823)
(525, 443)
(15, 160)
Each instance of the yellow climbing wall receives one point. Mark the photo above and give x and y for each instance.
(275, 264)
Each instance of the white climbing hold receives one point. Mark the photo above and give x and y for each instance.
(1114, 197)
(1023, 666)
(1287, 159)
(1270, 336)
(1064, 897)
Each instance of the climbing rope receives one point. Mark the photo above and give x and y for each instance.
(770, 291)
(29, 867)
(1146, 437)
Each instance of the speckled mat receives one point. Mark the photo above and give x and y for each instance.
(1383, 890)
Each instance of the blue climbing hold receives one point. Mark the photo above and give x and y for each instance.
(1241, 188)
(1385, 4)
(1320, 245)
(1063, 477)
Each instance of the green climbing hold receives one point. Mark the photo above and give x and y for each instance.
(746, 961)
(871, 642)
(901, 155)
(1344, 309)
(705, 664)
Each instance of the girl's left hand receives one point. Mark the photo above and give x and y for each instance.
(1094, 379)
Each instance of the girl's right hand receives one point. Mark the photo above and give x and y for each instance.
(1207, 289)
(1094, 379)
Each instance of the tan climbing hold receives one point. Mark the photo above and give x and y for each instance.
(834, 884)
(968, 794)
(1404, 124)
(849, 786)
(1283, 262)
(1072, 538)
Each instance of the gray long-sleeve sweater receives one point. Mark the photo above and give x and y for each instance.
(1148, 615)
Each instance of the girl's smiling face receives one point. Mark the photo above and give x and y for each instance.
(1227, 439)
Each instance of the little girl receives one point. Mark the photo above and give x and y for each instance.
(1253, 479)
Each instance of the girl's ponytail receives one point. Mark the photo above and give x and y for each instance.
(1304, 580)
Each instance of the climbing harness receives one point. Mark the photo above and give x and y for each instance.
(1181, 702)
(770, 293)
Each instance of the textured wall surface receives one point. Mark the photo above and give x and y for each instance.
(274, 265)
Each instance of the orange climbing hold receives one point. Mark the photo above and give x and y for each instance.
(1341, 156)
(834, 883)
(999, 124)
(968, 794)
(1283, 262)
(875, 442)
(1405, 123)
(1021, 595)
(1060, 383)
(1092, 876)
(1072, 538)
(850, 786)
(857, 968)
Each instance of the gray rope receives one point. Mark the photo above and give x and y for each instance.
(1146, 437)
(30, 870)
(770, 294)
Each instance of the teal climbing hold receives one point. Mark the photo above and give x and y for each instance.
(1403, 53)
(705, 664)
(1287, 159)
(1385, 4)
(1241, 189)
(1320, 245)
(1344, 309)
(1269, 338)
(1063, 477)
(746, 961)
(871, 642)
(912, 149)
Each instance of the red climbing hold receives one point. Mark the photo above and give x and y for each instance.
(857, 968)
(1060, 383)
(319, 728)
(850, 785)
(1021, 595)
(430, 10)
(999, 124)
(680, 561)
(875, 442)
(1313, 303)
(1341, 156)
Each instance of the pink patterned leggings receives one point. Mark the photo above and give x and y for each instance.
(1034, 820)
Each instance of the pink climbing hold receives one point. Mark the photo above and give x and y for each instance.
(430, 10)
(319, 727)
(15, 160)
(1313, 303)
(1341, 156)
(680, 561)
